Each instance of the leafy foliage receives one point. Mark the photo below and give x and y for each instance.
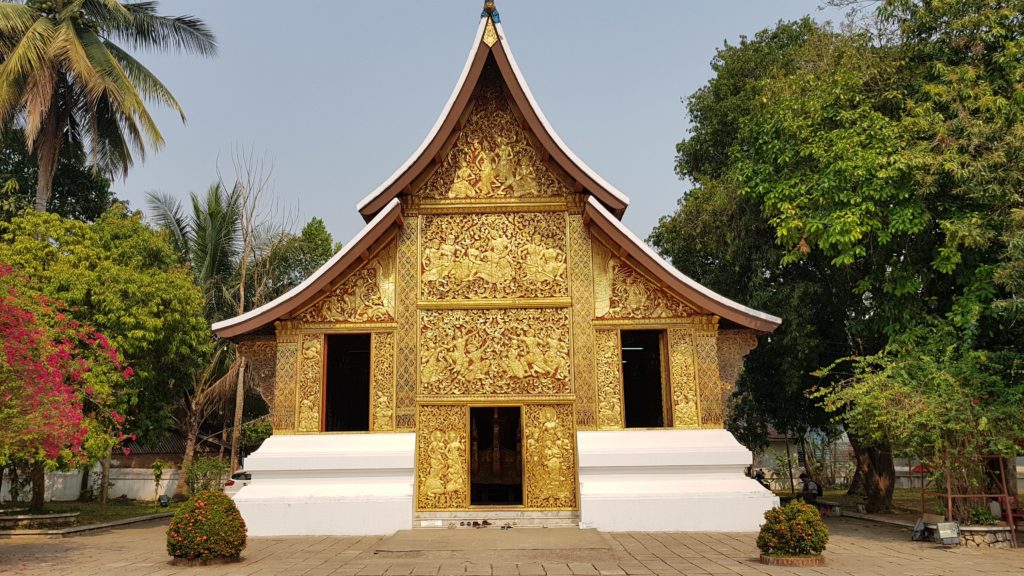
(206, 527)
(795, 529)
(206, 475)
(121, 277)
(254, 433)
(68, 82)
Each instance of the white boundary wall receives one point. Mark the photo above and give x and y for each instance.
(133, 483)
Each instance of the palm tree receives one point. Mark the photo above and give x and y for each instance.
(66, 81)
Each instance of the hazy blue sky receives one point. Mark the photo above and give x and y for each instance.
(338, 94)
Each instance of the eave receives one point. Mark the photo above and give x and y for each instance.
(319, 281)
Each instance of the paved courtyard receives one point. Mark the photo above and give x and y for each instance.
(856, 547)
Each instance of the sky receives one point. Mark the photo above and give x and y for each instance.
(337, 95)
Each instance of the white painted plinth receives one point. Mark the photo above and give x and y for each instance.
(668, 480)
(329, 484)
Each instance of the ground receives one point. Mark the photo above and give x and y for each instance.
(856, 548)
(95, 513)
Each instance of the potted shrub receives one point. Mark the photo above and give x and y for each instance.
(206, 529)
(793, 535)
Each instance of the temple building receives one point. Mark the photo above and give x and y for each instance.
(496, 345)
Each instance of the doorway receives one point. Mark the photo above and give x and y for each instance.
(642, 388)
(347, 394)
(496, 456)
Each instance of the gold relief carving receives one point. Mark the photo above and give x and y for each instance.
(492, 157)
(709, 383)
(550, 454)
(262, 359)
(609, 379)
(581, 280)
(407, 293)
(442, 469)
(515, 351)
(382, 382)
(490, 33)
(685, 408)
(310, 387)
(283, 415)
(367, 295)
(494, 256)
(733, 347)
(622, 292)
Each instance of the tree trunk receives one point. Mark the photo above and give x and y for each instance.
(236, 432)
(192, 434)
(105, 480)
(47, 148)
(878, 475)
(38, 486)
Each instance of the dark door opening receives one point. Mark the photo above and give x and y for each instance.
(347, 396)
(496, 457)
(642, 388)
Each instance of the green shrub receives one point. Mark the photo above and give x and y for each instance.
(205, 527)
(793, 530)
(205, 475)
(983, 517)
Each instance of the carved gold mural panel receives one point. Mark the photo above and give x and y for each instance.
(407, 293)
(492, 156)
(476, 256)
(709, 384)
(583, 357)
(685, 410)
(494, 352)
(442, 468)
(733, 347)
(261, 356)
(620, 291)
(367, 295)
(283, 413)
(550, 455)
(310, 388)
(609, 379)
(382, 382)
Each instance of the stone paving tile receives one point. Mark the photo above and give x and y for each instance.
(530, 569)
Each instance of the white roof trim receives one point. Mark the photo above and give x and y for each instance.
(547, 125)
(437, 125)
(223, 324)
(697, 286)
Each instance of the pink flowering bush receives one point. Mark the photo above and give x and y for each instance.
(206, 527)
(795, 529)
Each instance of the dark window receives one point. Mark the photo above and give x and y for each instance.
(347, 402)
(642, 387)
(496, 457)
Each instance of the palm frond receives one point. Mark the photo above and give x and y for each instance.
(144, 81)
(139, 26)
(167, 213)
(15, 20)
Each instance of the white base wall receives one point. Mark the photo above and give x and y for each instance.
(330, 484)
(668, 480)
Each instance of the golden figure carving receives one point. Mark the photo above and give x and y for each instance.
(490, 33)
(503, 351)
(492, 156)
(441, 465)
(368, 295)
(310, 389)
(733, 347)
(709, 384)
(283, 415)
(494, 256)
(581, 280)
(262, 358)
(407, 293)
(685, 410)
(609, 379)
(382, 382)
(622, 292)
(550, 474)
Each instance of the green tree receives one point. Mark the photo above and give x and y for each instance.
(123, 278)
(69, 82)
(79, 192)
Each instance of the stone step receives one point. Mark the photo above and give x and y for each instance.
(497, 518)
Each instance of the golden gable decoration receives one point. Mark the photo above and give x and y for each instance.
(367, 295)
(492, 156)
(620, 291)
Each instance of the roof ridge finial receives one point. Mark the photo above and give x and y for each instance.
(491, 10)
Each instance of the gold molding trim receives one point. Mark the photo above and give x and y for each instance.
(655, 323)
(478, 400)
(492, 304)
(332, 328)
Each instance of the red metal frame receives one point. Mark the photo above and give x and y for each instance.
(1009, 513)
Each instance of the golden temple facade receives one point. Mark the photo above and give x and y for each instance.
(493, 305)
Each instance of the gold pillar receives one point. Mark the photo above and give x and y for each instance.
(609, 379)
(382, 382)
(283, 413)
(442, 466)
(311, 383)
(549, 473)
